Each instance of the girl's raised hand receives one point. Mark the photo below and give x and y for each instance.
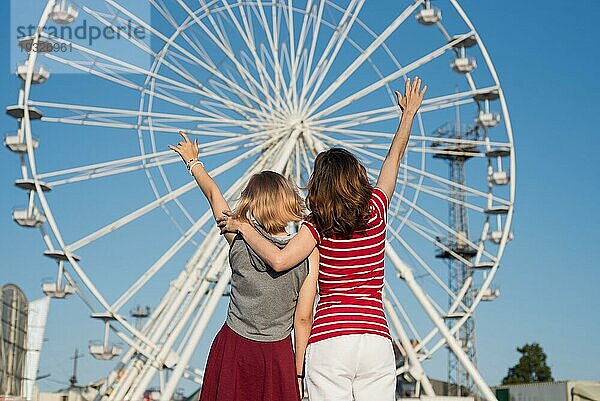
(186, 149)
(413, 96)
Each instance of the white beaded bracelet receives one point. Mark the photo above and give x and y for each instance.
(194, 164)
(187, 164)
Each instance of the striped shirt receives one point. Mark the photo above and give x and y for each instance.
(351, 278)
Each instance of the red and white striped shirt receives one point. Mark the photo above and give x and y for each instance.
(351, 278)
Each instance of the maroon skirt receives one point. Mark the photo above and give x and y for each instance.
(239, 369)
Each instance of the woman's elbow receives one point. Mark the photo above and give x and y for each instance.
(279, 264)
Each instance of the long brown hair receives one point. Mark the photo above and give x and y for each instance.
(339, 193)
(272, 200)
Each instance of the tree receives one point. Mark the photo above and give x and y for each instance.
(531, 368)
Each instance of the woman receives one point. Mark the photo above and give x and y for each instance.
(350, 354)
(251, 357)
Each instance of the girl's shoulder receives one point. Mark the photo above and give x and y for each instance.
(308, 221)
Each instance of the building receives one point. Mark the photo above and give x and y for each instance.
(569, 390)
(13, 341)
(21, 337)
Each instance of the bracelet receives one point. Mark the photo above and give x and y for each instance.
(187, 164)
(194, 164)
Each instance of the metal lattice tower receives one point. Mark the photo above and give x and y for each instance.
(459, 273)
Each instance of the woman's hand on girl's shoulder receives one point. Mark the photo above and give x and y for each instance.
(228, 223)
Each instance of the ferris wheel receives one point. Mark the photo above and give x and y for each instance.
(263, 85)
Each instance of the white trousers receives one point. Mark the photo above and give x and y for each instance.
(359, 367)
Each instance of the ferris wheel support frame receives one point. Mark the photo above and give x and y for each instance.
(407, 275)
(144, 342)
(415, 369)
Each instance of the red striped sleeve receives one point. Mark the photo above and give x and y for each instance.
(311, 227)
(381, 202)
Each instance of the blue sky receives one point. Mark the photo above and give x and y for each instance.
(546, 58)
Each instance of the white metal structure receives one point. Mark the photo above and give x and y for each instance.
(265, 85)
(36, 325)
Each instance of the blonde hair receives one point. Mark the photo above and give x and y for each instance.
(272, 200)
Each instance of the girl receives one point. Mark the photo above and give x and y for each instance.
(251, 358)
(350, 354)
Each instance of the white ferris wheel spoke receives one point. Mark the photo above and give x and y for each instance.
(361, 59)
(453, 184)
(157, 116)
(313, 45)
(246, 32)
(292, 88)
(398, 305)
(317, 74)
(164, 95)
(450, 100)
(393, 112)
(321, 73)
(208, 67)
(143, 47)
(424, 265)
(415, 228)
(164, 199)
(389, 78)
(223, 43)
(206, 129)
(306, 160)
(442, 193)
(447, 229)
(127, 67)
(271, 34)
(120, 166)
(276, 18)
(412, 169)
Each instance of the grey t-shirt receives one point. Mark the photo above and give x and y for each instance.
(263, 301)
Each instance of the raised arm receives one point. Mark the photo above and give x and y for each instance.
(409, 104)
(189, 153)
(303, 317)
(296, 250)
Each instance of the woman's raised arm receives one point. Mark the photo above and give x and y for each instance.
(189, 153)
(409, 103)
